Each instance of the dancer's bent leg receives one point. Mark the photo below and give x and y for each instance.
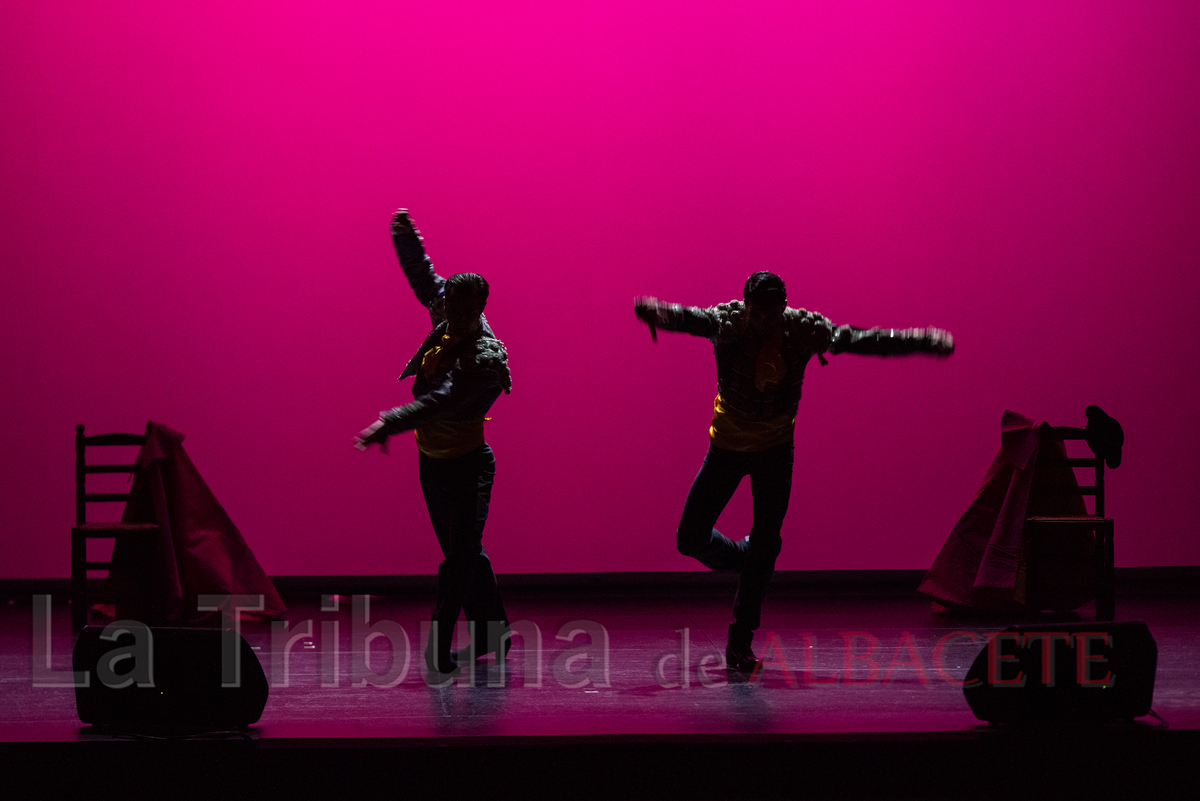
(714, 485)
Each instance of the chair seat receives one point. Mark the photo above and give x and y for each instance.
(1102, 527)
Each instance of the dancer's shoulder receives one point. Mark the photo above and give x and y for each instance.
(814, 328)
(489, 354)
(730, 318)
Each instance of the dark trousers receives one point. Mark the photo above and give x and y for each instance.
(457, 492)
(770, 474)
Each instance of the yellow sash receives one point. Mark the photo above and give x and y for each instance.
(447, 439)
(733, 431)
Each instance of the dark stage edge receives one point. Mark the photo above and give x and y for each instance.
(1043, 763)
(635, 738)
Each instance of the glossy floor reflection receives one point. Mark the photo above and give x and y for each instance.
(859, 699)
(610, 663)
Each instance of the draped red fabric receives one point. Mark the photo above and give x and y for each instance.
(199, 551)
(987, 563)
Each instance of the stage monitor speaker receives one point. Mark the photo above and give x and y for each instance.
(171, 678)
(1077, 672)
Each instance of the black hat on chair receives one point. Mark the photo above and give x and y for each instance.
(1104, 436)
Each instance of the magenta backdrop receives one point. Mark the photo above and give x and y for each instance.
(194, 228)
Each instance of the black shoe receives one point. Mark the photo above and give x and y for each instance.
(741, 658)
(446, 665)
(467, 654)
(739, 655)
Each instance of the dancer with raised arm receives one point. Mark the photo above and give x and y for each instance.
(761, 347)
(459, 371)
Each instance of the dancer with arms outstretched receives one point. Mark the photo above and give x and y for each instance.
(762, 347)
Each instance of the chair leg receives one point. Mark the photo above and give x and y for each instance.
(1105, 572)
(78, 580)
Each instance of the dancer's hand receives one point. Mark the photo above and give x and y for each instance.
(646, 308)
(374, 434)
(401, 222)
(941, 342)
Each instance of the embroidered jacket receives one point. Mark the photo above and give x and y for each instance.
(805, 334)
(469, 375)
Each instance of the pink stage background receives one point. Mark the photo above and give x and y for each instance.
(194, 228)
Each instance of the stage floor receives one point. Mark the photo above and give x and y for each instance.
(848, 669)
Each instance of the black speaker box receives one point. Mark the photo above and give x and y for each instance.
(171, 678)
(1078, 672)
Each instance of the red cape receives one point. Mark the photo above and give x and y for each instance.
(199, 550)
(987, 564)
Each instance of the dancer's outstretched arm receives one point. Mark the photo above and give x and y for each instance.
(468, 390)
(464, 393)
(674, 317)
(892, 341)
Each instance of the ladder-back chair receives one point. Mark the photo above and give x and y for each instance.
(1104, 437)
(83, 531)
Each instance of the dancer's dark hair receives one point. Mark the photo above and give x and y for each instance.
(473, 283)
(765, 288)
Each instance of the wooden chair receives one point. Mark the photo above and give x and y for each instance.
(83, 531)
(1105, 438)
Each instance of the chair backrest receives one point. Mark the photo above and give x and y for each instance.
(1096, 463)
(83, 469)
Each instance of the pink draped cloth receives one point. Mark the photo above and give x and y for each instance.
(199, 551)
(987, 563)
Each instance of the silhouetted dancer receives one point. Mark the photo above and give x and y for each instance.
(762, 347)
(460, 370)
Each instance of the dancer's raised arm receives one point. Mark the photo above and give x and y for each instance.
(426, 284)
